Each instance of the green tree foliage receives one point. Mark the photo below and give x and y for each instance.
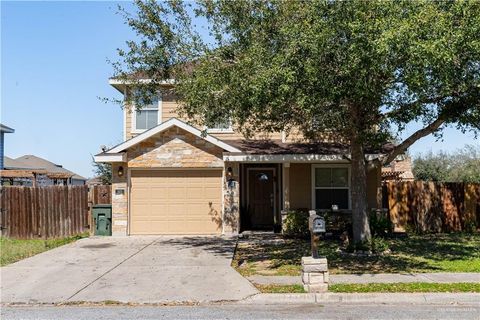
(461, 166)
(103, 171)
(357, 69)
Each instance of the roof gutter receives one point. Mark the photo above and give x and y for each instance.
(283, 158)
(121, 84)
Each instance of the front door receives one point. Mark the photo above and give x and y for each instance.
(261, 197)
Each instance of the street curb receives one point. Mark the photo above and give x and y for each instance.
(361, 298)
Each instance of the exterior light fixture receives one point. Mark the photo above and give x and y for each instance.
(120, 171)
(229, 172)
(262, 177)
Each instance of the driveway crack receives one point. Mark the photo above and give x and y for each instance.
(111, 269)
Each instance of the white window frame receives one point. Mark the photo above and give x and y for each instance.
(331, 166)
(134, 116)
(221, 130)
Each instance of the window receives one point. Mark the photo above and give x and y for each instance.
(147, 117)
(331, 187)
(221, 126)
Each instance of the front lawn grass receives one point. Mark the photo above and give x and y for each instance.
(405, 287)
(274, 288)
(12, 250)
(378, 287)
(456, 252)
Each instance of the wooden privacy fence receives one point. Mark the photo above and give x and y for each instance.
(49, 212)
(45, 212)
(432, 206)
(101, 194)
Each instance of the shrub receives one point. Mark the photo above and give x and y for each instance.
(380, 224)
(375, 245)
(296, 224)
(338, 223)
(378, 245)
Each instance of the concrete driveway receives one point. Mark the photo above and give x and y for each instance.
(130, 269)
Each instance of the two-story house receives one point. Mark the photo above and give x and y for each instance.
(168, 178)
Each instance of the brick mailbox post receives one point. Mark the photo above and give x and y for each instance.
(315, 275)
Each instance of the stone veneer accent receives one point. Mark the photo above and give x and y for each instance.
(315, 276)
(119, 202)
(231, 199)
(175, 148)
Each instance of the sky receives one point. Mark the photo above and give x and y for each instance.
(54, 69)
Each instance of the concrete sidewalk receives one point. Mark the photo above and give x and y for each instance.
(375, 278)
(467, 299)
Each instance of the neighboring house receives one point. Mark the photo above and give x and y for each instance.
(168, 178)
(398, 170)
(30, 170)
(17, 173)
(3, 129)
(55, 171)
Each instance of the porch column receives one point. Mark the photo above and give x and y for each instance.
(119, 200)
(231, 198)
(286, 186)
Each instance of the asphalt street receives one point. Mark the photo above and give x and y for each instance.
(250, 312)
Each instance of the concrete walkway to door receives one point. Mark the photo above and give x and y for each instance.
(130, 269)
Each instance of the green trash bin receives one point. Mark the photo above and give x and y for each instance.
(102, 219)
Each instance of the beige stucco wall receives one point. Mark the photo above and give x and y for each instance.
(300, 186)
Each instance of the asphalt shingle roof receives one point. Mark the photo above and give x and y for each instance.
(14, 164)
(37, 162)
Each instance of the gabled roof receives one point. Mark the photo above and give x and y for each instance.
(14, 164)
(173, 122)
(34, 161)
(5, 129)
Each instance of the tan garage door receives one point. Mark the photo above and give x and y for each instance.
(176, 202)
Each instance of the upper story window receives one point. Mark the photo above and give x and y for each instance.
(331, 186)
(147, 117)
(221, 126)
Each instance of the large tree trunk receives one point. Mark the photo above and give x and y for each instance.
(361, 226)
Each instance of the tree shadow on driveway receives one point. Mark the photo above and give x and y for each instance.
(219, 246)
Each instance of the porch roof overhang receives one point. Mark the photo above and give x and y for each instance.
(287, 158)
(110, 157)
(278, 151)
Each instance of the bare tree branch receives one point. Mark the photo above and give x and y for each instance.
(402, 147)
